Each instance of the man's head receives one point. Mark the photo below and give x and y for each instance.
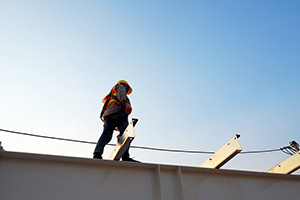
(126, 85)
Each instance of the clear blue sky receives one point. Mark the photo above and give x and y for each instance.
(201, 71)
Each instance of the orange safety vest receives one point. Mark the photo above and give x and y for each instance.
(111, 97)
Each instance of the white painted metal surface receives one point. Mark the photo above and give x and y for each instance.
(224, 154)
(36, 177)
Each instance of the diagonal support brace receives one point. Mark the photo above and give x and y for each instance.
(224, 154)
(287, 166)
(124, 141)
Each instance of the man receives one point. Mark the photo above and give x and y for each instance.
(114, 113)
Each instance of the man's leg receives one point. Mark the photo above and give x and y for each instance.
(108, 129)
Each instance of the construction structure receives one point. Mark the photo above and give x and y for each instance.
(33, 177)
(25, 176)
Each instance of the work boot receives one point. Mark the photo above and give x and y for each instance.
(97, 156)
(129, 160)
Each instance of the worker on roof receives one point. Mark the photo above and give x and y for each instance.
(114, 114)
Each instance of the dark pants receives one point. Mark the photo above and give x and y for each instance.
(112, 121)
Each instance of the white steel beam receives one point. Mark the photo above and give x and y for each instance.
(124, 141)
(224, 154)
(287, 166)
(49, 177)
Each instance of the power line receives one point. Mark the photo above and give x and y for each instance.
(136, 147)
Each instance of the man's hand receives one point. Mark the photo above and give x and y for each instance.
(128, 109)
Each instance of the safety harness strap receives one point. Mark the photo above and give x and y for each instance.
(114, 97)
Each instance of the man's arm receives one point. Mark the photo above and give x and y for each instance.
(121, 95)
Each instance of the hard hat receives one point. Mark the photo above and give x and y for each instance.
(124, 82)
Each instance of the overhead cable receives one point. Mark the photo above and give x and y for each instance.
(260, 151)
(136, 147)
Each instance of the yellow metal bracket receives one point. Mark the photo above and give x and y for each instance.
(224, 154)
(124, 141)
(287, 166)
